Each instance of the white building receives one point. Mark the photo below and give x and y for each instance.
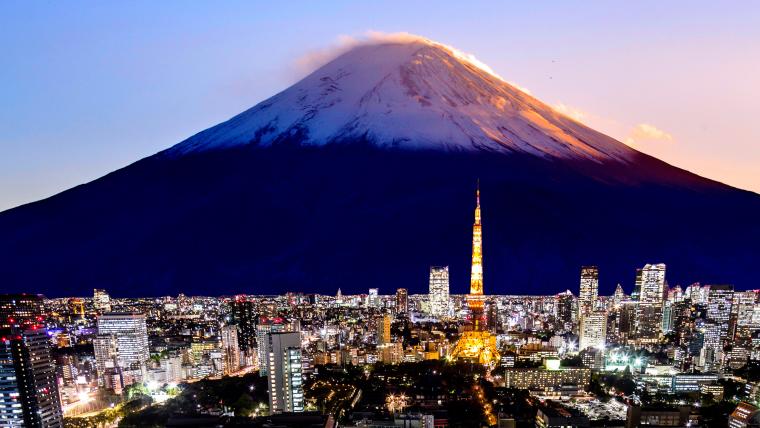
(439, 291)
(593, 330)
(285, 372)
(130, 334)
(589, 289)
(101, 300)
(651, 299)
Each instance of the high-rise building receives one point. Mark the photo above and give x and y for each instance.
(244, 317)
(22, 311)
(373, 298)
(28, 387)
(264, 328)
(439, 291)
(230, 348)
(402, 301)
(563, 310)
(593, 330)
(285, 372)
(105, 349)
(131, 336)
(101, 300)
(719, 301)
(589, 289)
(651, 300)
(383, 326)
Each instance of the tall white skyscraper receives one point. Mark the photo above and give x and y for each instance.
(589, 289)
(439, 291)
(285, 372)
(651, 299)
(719, 304)
(130, 334)
(373, 298)
(593, 330)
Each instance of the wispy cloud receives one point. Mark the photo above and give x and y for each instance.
(646, 133)
(571, 112)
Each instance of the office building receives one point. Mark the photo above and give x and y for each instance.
(589, 289)
(719, 304)
(383, 329)
(230, 348)
(285, 372)
(129, 333)
(23, 311)
(651, 281)
(263, 329)
(101, 300)
(745, 415)
(373, 298)
(28, 388)
(244, 317)
(439, 291)
(402, 301)
(593, 330)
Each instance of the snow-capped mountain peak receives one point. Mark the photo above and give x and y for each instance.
(410, 94)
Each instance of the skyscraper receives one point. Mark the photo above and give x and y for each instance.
(230, 348)
(563, 310)
(651, 299)
(402, 301)
(244, 317)
(383, 326)
(285, 372)
(131, 336)
(589, 289)
(593, 330)
(101, 300)
(719, 304)
(439, 291)
(28, 387)
(373, 298)
(263, 329)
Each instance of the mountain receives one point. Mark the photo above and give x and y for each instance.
(362, 175)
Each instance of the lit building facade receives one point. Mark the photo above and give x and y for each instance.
(593, 330)
(131, 337)
(285, 372)
(589, 289)
(439, 291)
(402, 301)
(28, 388)
(651, 280)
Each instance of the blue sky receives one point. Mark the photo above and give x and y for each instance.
(88, 87)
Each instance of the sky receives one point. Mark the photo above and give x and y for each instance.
(90, 87)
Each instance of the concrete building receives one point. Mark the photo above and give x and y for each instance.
(28, 388)
(285, 372)
(439, 291)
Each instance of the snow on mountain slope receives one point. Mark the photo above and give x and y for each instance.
(412, 94)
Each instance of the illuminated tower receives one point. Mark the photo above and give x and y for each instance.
(475, 298)
(476, 345)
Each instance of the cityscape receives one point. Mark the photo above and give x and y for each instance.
(660, 355)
